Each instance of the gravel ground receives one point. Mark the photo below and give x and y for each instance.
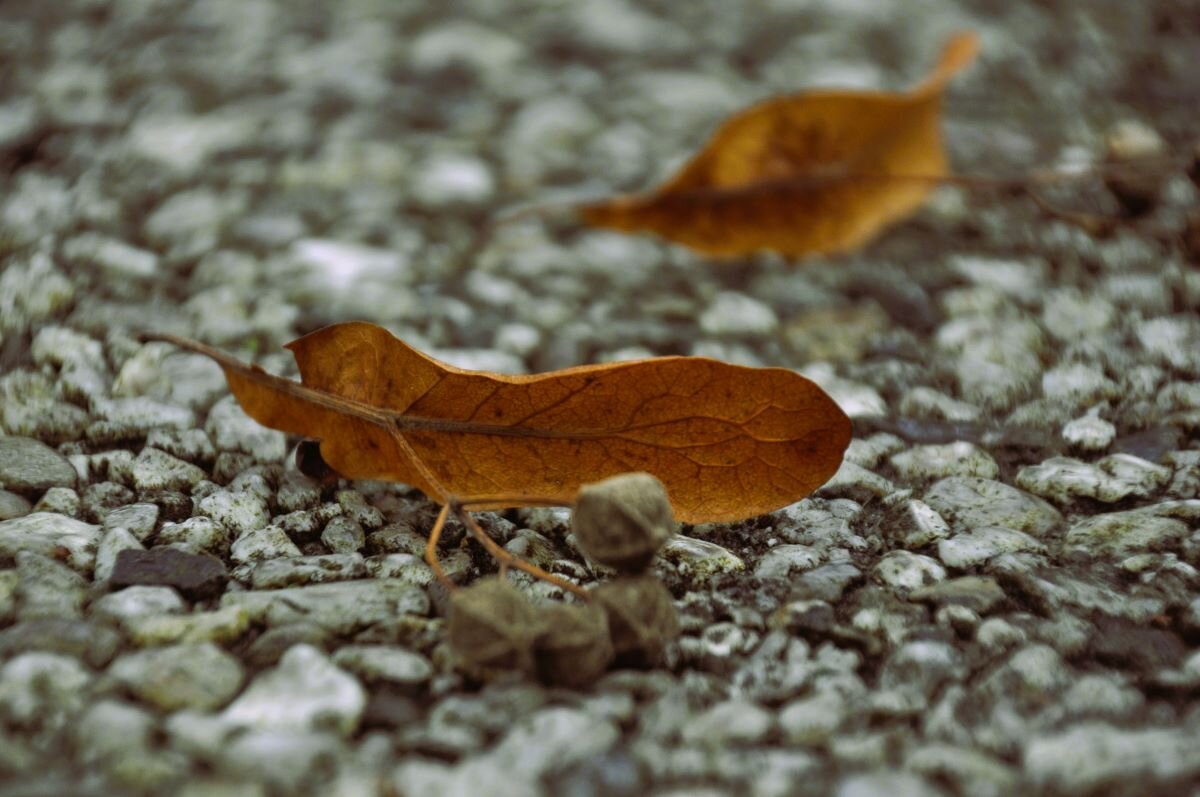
(997, 594)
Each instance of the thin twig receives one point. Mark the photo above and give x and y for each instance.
(431, 557)
(506, 559)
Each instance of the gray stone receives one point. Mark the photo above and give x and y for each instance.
(1028, 680)
(904, 571)
(1093, 757)
(117, 607)
(119, 259)
(1023, 280)
(262, 545)
(297, 492)
(199, 676)
(114, 541)
(552, 738)
(190, 445)
(812, 720)
(782, 561)
(855, 399)
(690, 100)
(47, 588)
(996, 634)
(60, 347)
(113, 466)
(622, 29)
(10, 580)
(967, 502)
(868, 453)
(1100, 696)
(1185, 483)
(971, 549)
(239, 512)
(735, 314)
(32, 288)
(61, 500)
(385, 664)
(285, 760)
(827, 582)
(997, 362)
(101, 498)
(305, 691)
(1171, 341)
(857, 484)
(805, 617)
(895, 784)
(779, 669)
(923, 666)
(139, 520)
(155, 470)
(342, 607)
(921, 463)
(221, 626)
(184, 142)
(911, 523)
(231, 429)
(449, 179)
(1089, 432)
(300, 527)
(300, 570)
(47, 534)
(355, 507)
(94, 644)
(30, 467)
(484, 50)
(978, 593)
(13, 506)
(1069, 315)
(539, 134)
(721, 645)
(343, 535)
(49, 420)
(925, 402)
(413, 569)
(967, 770)
(190, 219)
(818, 523)
(270, 646)
(43, 690)
(1120, 534)
(111, 730)
(1078, 384)
(698, 560)
(196, 535)
(1112, 479)
(735, 722)
(197, 576)
(133, 418)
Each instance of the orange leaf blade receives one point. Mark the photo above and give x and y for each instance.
(818, 172)
(727, 441)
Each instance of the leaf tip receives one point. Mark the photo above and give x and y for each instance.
(957, 53)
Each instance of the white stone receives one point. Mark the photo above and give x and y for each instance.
(48, 534)
(967, 550)
(305, 691)
(1089, 432)
(733, 314)
(904, 571)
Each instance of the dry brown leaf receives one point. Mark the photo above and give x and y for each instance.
(727, 441)
(816, 172)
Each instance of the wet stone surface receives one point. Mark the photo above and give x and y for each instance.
(997, 594)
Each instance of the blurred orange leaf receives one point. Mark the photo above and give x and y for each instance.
(816, 172)
(727, 441)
